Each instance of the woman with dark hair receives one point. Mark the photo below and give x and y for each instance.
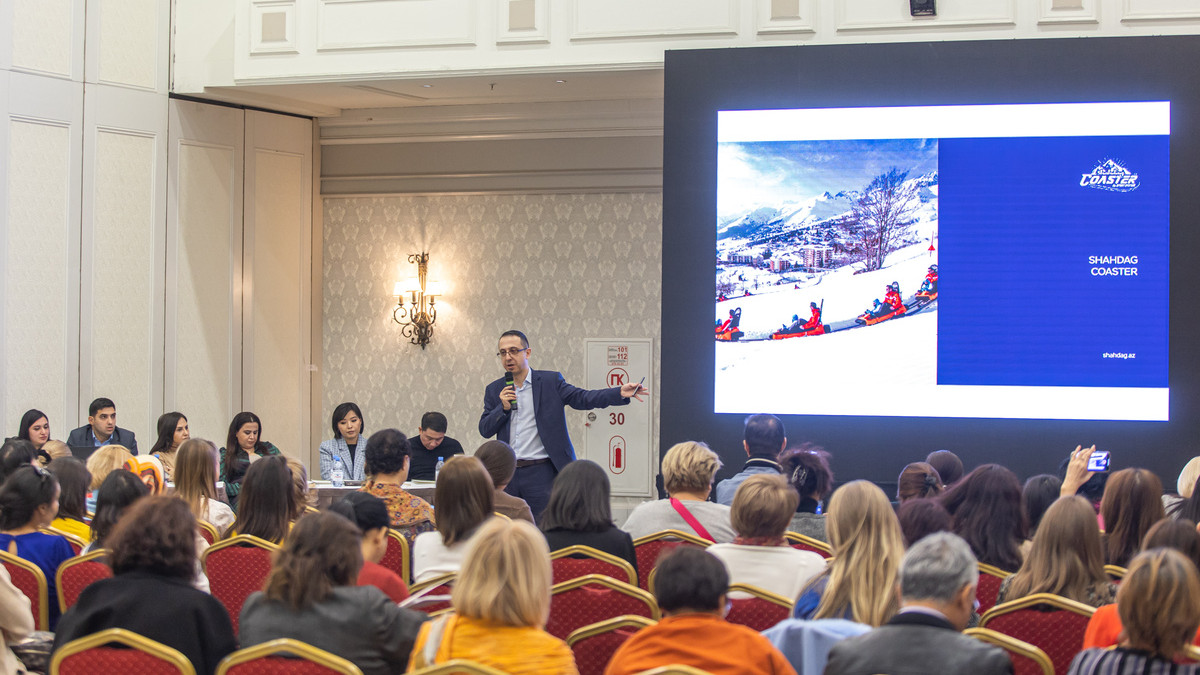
(918, 481)
(464, 490)
(1132, 503)
(267, 502)
(73, 480)
(501, 464)
(807, 470)
(947, 464)
(196, 483)
(153, 561)
(370, 514)
(986, 507)
(1066, 558)
(347, 426)
(35, 428)
(1038, 494)
(580, 513)
(29, 502)
(920, 518)
(245, 432)
(172, 432)
(14, 454)
(119, 490)
(311, 596)
(387, 468)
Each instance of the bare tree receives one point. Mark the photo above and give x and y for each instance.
(881, 217)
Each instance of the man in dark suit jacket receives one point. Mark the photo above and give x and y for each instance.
(102, 428)
(937, 592)
(537, 428)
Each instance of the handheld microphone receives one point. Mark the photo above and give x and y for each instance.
(508, 382)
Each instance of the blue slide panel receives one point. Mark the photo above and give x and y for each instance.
(1020, 299)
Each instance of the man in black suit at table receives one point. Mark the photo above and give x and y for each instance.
(937, 595)
(430, 443)
(102, 428)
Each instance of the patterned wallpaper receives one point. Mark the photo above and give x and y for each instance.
(561, 268)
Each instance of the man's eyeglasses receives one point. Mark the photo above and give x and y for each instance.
(511, 351)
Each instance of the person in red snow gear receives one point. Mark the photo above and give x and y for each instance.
(931, 279)
(721, 297)
(893, 299)
(728, 331)
(815, 319)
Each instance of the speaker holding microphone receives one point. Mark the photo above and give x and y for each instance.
(508, 382)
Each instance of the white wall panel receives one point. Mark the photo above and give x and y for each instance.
(890, 14)
(371, 24)
(1068, 11)
(1154, 10)
(128, 43)
(600, 19)
(46, 36)
(785, 16)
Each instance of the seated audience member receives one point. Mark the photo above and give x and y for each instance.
(387, 469)
(370, 515)
(690, 589)
(1185, 486)
(501, 603)
(102, 429)
(1104, 628)
(16, 622)
(763, 438)
(118, 491)
(311, 595)
(153, 561)
(149, 469)
(1131, 505)
(688, 469)
(579, 512)
(986, 507)
(920, 518)
(760, 556)
(1038, 494)
(196, 483)
(918, 481)
(938, 577)
(501, 463)
(267, 502)
(947, 464)
(1065, 559)
(172, 432)
(806, 468)
(15, 454)
(52, 450)
(73, 480)
(464, 489)
(301, 496)
(859, 582)
(35, 428)
(105, 460)
(29, 502)
(430, 444)
(1159, 606)
(245, 437)
(348, 444)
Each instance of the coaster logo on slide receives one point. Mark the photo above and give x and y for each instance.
(1110, 175)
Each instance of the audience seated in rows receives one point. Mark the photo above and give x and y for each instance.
(370, 515)
(859, 582)
(807, 470)
(501, 603)
(73, 480)
(763, 439)
(120, 489)
(154, 560)
(759, 555)
(947, 464)
(311, 595)
(688, 469)
(196, 483)
(986, 508)
(464, 490)
(1132, 503)
(918, 480)
(244, 438)
(501, 464)
(579, 512)
(29, 502)
(387, 463)
(690, 588)
(267, 503)
(938, 576)
(920, 518)
(172, 432)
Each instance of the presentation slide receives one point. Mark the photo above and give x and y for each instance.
(997, 261)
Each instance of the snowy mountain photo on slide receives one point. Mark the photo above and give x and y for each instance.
(832, 222)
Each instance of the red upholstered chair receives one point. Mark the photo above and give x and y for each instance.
(285, 657)
(593, 598)
(577, 561)
(430, 595)
(990, 578)
(29, 579)
(76, 543)
(594, 644)
(208, 531)
(139, 656)
(78, 573)
(756, 608)
(1051, 623)
(1026, 659)
(652, 546)
(807, 543)
(396, 556)
(237, 567)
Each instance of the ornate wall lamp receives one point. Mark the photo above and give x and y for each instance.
(417, 319)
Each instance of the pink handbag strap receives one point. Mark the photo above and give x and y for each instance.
(691, 520)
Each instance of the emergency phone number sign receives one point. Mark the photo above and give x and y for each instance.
(619, 438)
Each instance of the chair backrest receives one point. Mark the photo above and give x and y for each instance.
(1026, 659)
(76, 543)
(674, 669)
(593, 598)
(30, 580)
(762, 610)
(208, 531)
(577, 561)
(237, 567)
(652, 547)
(807, 543)
(396, 556)
(593, 645)
(990, 578)
(457, 667)
(429, 595)
(1115, 572)
(76, 574)
(285, 656)
(1054, 624)
(141, 655)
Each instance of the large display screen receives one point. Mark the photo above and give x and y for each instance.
(989, 261)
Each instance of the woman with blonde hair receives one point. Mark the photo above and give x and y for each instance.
(196, 463)
(501, 603)
(688, 469)
(1066, 558)
(860, 582)
(104, 460)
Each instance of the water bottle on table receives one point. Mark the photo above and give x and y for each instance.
(438, 467)
(337, 475)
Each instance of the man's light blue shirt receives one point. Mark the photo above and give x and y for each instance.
(522, 431)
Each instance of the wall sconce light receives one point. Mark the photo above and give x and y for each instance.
(417, 319)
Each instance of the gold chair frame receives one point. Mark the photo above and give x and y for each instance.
(288, 646)
(1012, 644)
(797, 538)
(597, 554)
(42, 620)
(609, 582)
(128, 638)
(239, 540)
(71, 562)
(601, 627)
